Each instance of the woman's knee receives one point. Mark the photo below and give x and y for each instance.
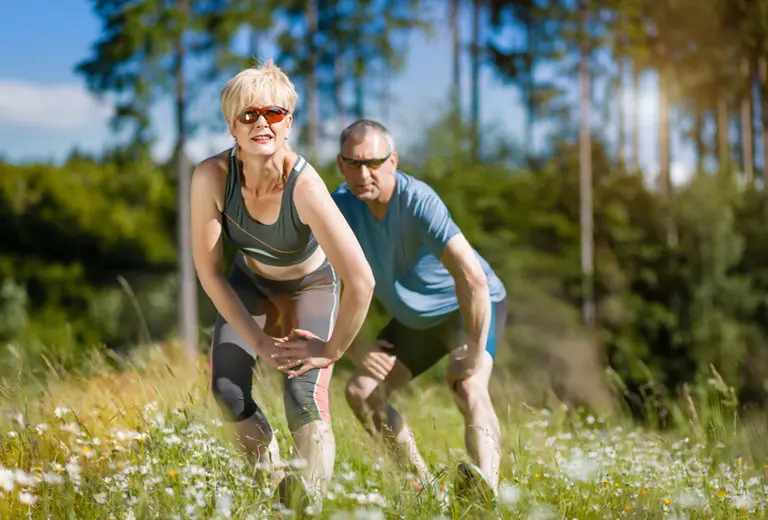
(235, 401)
(231, 381)
(307, 398)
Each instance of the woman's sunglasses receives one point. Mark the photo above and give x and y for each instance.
(371, 164)
(272, 114)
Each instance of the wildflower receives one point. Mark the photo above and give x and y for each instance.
(509, 494)
(173, 439)
(22, 478)
(6, 479)
(743, 502)
(27, 498)
(53, 478)
(74, 470)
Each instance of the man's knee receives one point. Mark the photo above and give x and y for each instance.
(470, 394)
(361, 391)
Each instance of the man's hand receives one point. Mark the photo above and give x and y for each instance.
(305, 349)
(463, 364)
(377, 362)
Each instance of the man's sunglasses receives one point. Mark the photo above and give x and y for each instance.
(371, 164)
(272, 114)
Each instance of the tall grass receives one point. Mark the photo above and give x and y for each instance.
(139, 437)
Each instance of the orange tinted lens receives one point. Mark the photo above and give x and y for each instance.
(274, 115)
(271, 115)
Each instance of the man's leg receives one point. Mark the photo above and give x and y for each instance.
(481, 425)
(368, 398)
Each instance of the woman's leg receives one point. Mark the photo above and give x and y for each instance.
(232, 363)
(307, 396)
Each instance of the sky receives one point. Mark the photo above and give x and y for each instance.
(46, 109)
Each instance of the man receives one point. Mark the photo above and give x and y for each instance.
(443, 297)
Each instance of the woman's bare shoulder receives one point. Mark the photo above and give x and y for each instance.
(214, 167)
(211, 176)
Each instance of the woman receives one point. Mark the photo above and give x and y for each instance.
(291, 241)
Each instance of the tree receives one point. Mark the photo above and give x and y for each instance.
(143, 54)
(518, 64)
(585, 174)
(352, 43)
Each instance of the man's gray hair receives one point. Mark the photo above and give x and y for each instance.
(367, 124)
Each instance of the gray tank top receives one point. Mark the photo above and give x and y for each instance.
(286, 242)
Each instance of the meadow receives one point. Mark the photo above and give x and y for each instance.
(139, 437)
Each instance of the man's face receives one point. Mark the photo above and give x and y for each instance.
(367, 164)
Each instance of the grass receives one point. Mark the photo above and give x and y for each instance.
(144, 440)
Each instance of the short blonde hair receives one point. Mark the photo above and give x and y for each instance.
(262, 80)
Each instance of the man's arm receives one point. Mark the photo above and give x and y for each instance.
(445, 240)
(471, 291)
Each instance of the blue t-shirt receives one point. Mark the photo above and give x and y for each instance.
(404, 252)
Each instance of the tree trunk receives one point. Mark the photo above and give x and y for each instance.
(747, 120)
(698, 136)
(763, 93)
(620, 100)
(475, 104)
(665, 182)
(456, 35)
(723, 143)
(313, 114)
(585, 180)
(339, 78)
(359, 84)
(636, 119)
(530, 108)
(188, 278)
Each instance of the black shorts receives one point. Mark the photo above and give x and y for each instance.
(419, 350)
(310, 303)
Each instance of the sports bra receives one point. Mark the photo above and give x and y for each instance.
(286, 242)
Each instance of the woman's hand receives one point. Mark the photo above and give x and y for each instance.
(302, 349)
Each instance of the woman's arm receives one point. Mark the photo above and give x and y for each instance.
(207, 253)
(318, 210)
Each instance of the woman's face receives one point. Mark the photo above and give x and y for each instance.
(262, 127)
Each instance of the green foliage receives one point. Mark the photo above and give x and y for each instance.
(13, 309)
(92, 245)
(71, 231)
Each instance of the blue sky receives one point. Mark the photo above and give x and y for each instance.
(46, 111)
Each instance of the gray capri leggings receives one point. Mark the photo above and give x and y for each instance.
(310, 303)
